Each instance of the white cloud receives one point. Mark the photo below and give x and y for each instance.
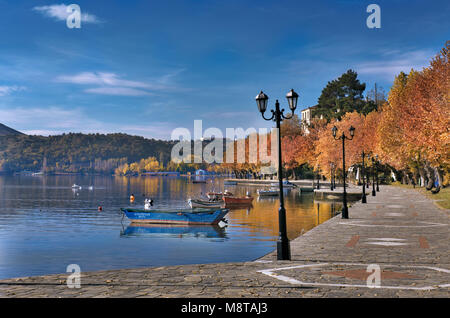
(112, 84)
(119, 91)
(6, 90)
(100, 78)
(59, 12)
(394, 62)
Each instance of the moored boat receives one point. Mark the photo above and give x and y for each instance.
(237, 200)
(286, 184)
(270, 192)
(197, 203)
(218, 195)
(176, 216)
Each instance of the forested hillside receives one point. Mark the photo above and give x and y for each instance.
(77, 153)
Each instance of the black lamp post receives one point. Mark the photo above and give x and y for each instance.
(367, 175)
(331, 175)
(376, 167)
(318, 178)
(334, 176)
(373, 175)
(283, 249)
(343, 137)
(363, 199)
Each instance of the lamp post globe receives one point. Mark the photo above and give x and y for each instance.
(292, 98)
(352, 131)
(261, 101)
(334, 131)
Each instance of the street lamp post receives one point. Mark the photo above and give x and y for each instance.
(376, 167)
(343, 137)
(367, 175)
(373, 176)
(283, 249)
(318, 178)
(363, 199)
(334, 176)
(331, 175)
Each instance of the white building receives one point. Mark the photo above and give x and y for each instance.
(307, 116)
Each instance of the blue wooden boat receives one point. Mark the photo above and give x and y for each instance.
(176, 216)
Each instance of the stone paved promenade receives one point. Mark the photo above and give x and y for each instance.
(399, 230)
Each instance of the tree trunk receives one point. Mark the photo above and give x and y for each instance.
(430, 176)
(422, 177)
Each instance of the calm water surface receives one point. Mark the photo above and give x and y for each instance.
(45, 225)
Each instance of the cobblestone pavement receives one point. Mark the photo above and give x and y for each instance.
(399, 231)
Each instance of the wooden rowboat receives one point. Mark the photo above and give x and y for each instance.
(237, 200)
(197, 203)
(176, 216)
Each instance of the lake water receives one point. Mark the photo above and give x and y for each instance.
(45, 225)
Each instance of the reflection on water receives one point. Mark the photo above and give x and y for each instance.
(177, 231)
(46, 225)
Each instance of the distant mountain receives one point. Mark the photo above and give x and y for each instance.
(6, 131)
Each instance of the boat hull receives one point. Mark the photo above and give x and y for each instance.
(193, 203)
(229, 201)
(180, 216)
(263, 193)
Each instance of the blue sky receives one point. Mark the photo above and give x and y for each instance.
(147, 67)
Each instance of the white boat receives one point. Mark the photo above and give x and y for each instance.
(286, 184)
(75, 186)
(270, 192)
(197, 203)
(218, 195)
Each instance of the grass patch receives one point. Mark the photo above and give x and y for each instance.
(443, 196)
